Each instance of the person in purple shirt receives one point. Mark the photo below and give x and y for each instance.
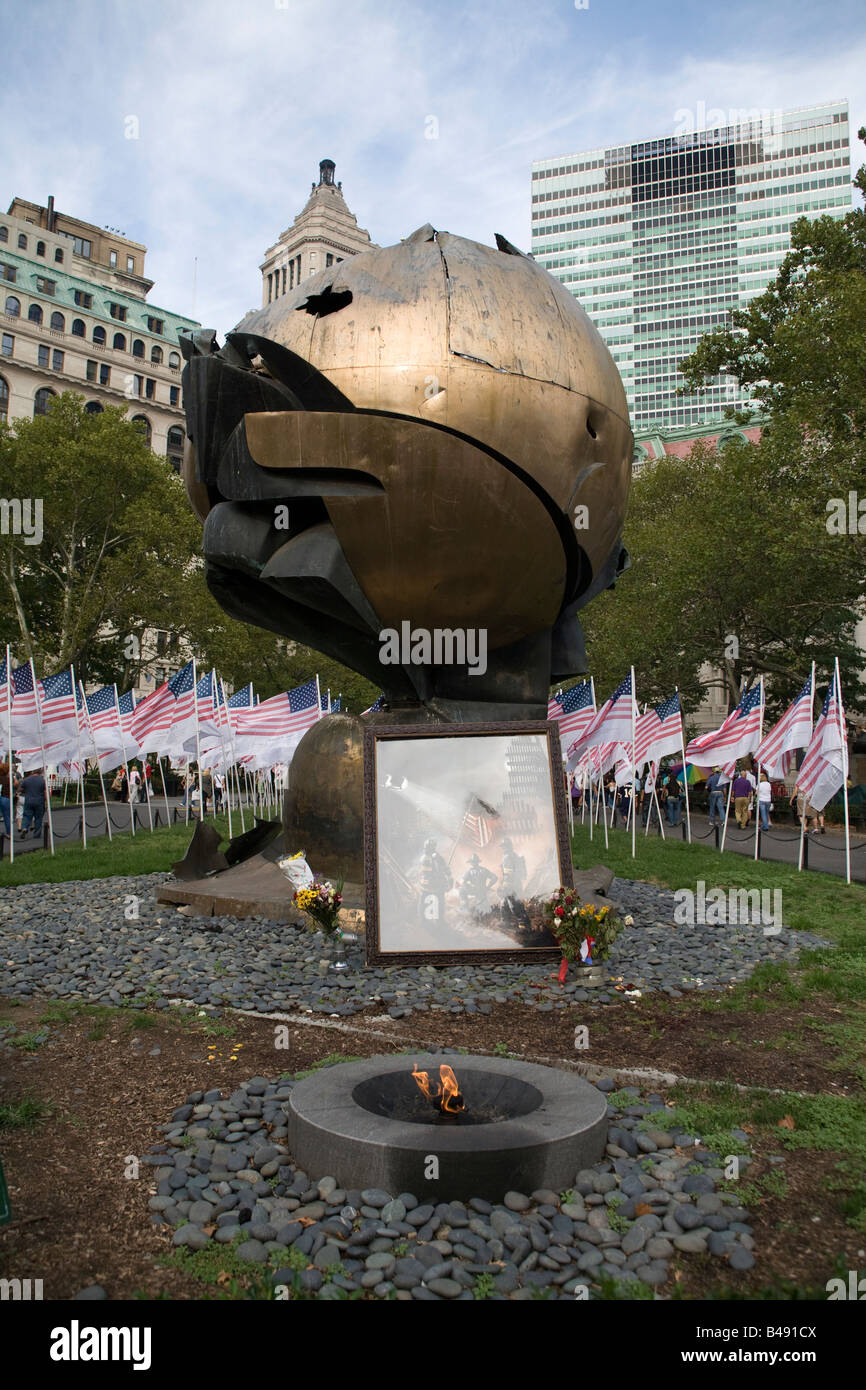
(741, 792)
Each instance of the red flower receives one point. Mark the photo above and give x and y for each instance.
(569, 900)
(558, 912)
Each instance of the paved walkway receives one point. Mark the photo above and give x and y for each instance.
(67, 822)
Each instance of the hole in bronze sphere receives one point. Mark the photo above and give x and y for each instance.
(590, 429)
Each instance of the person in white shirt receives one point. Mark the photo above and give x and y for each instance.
(765, 801)
(134, 783)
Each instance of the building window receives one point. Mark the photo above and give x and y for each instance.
(143, 424)
(156, 354)
(34, 313)
(118, 342)
(56, 360)
(92, 368)
(292, 274)
(93, 408)
(79, 245)
(137, 383)
(8, 345)
(112, 259)
(42, 354)
(156, 325)
(22, 242)
(329, 259)
(58, 255)
(78, 330)
(83, 300)
(270, 287)
(104, 374)
(46, 286)
(173, 393)
(42, 400)
(13, 306)
(130, 264)
(40, 248)
(284, 279)
(174, 360)
(99, 335)
(150, 388)
(118, 311)
(4, 233)
(8, 272)
(4, 398)
(138, 348)
(174, 447)
(58, 322)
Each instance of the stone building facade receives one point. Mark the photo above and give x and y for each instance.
(74, 316)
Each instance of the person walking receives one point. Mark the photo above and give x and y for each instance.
(741, 792)
(217, 791)
(805, 812)
(206, 789)
(6, 797)
(765, 801)
(717, 798)
(134, 783)
(33, 787)
(673, 805)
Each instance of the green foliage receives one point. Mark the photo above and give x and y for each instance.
(330, 1061)
(484, 1286)
(29, 1042)
(622, 1290)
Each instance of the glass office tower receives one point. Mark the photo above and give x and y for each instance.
(659, 240)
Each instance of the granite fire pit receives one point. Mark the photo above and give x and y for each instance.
(523, 1126)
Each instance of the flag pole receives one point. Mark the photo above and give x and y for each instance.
(633, 763)
(758, 782)
(227, 785)
(685, 769)
(80, 765)
(727, 810)
(234, 758)
(11, 758)
(42, 747)
(197, 744)
(164, 790)
(96, 754)
(844, 750)
(123, 755)
(796, 783)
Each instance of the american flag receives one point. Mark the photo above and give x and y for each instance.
(613, 722)
(740, 733)
(374, 708)
(59, 706)
(25, 721)
(181, 687)
(659, 731)
(825, 766)
(152, 718)
(337, 705)
(794, 730)
(477, 821)
(325, 701)
(573, 710)
(243, 699)
(283, 716)
(102, 709)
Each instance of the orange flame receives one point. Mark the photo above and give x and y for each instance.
(447, 1092)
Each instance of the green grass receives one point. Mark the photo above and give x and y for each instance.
(28, 1042)
(145, 853)
(23, 1114)
(330, 1061)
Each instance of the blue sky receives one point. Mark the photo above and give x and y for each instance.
(237, 102)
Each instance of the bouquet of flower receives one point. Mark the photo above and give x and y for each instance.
(322, 903)
(585, 932)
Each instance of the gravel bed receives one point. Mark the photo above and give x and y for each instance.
(222, 1175)
(77, 941)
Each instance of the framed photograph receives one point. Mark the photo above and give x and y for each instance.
(465, 833)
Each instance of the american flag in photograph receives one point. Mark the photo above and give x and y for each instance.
(477, 821)
(794, 730)
(283, 716)
(613, 722)
(825, 766)
(59, 704)
(659, 731)
(740, 733)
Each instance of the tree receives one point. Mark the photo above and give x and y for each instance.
(115, 553)
(733, 563)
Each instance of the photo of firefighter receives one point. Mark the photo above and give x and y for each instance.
(466, 843)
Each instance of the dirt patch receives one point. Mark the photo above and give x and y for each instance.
(752, 1047)
(77, 1220)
